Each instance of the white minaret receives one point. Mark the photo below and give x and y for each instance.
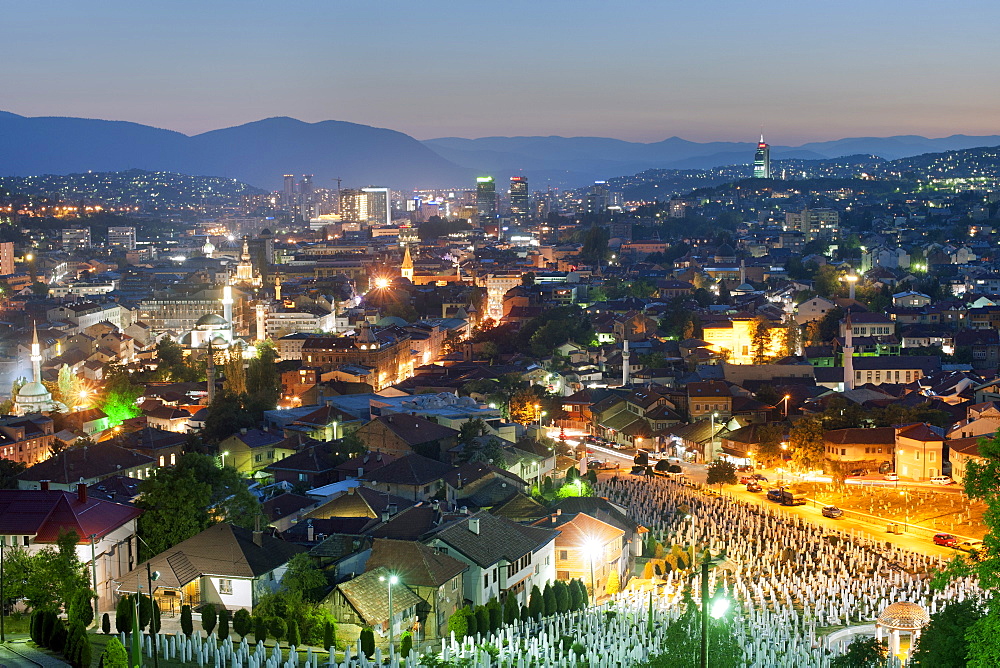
(261, 326)
(625, 365)
(227, 308)
(36, 357)
(849, 356)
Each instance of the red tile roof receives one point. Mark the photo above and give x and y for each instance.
(44, 513)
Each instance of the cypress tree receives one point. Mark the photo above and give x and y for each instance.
(106, 624)
(525, 613)
(473, 623)
(329, 635)
(242, 623)
(406, 645)
(277, 627)
(536, 606)
(187, 623)
(208, 618)
(561, 592)
(294, 638)
(548, 600)
(368, 641)
(224, 619)
(510, 611)
(482, 619)
(259, 629)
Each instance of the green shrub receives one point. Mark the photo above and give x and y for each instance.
(482, 620)
(187, 622)
(242, 623)
(368, 641)
(209, 617)
(277, 627)
(406, 644)
(114, 655)
(293, 633)
(57, 640)
(106, 624)
(458, 623)
(329, 635)
(123, 615)
(224, 618)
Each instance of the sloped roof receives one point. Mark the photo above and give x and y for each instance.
(369, 596)
(414, 430)
(581, 528)
(358, 502)
(412, 469)
(92, 461)
(414, 563)
(498, 539)
(863, 436)
(45, 513)
(222, 550)
(519, 508)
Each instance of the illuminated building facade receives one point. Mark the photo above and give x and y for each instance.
(385, 351)
(486, 199)
(519, 206)
(762, 160)
(736, 338)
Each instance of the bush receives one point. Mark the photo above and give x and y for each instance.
(123, 615)
(548, 600)
(242, 623)
(35, 627)
(187, 623)
(329, 635)
(81, 608)
(49, 622)
(482, 620)
(536, 606)
(260, 628)
(368, 641)
(472, 621)
(209, 617)
(561, 592)
(458, 623)
(77, 648)
(224, 618)
(106, 624)
(510, 611)
(406, 644)
(57, 640)
(496, 614)
(114, 655)
(293, 634)
(277, 627)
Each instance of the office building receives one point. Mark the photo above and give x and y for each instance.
(121, 237)
(486, 199)
(75, 238)
(762, 160)
(813, 223)
(519, 199)
(596, 201)
(6, 258)
(378, 203)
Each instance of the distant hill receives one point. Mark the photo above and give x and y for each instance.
(257, 153)
(576, 161)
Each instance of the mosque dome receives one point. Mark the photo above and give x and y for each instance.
(391, 321)
(33, 390)
(904, 615)
(211, 320)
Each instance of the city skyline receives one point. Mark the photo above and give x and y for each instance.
(645, 73)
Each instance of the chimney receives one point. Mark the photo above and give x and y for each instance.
(45, 485)
(81, 492)
(464, 510)
(385, 515)
(558, 511)
(243, 430)
(361, 472)
(350, 490)
(474, 525)
(258, 538)
(555, 518)
(392, 508)
(309, 531)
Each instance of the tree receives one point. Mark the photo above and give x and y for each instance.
(496, 614)
(260, 628)
(368, 641)
(9, 470)
(863, 652)
(536, 606)
(123, 615)
(790, 339)
(613, 585)
(278, 628)
(682, 642)
(769, 444)
(118, 395)
(548, 600)
(721, 472)
(329, 636)
(406, 644)
(209, 617)
(293, 634)
(510, 611)
(524, 407)
(105, 624)
(114, 655)
(482, 619)
(983, 639)
(81, 608)
(808, 449)
(224, 619)
(242, 622)
(458, 623)
(50, 579)
(943, 642)
(187, 623)
(562, 596)
(760, 341)
(303, 579)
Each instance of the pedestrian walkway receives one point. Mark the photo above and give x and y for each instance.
(17, 653)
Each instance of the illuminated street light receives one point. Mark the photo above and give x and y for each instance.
(391, 580)
(223, 457)
(720, 606)
(591, 548)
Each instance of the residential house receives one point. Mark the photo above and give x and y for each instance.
(89, 464)
(433, 576)
(364, 601)
(588, 549)
(870, 446)
(920, 451)
(168, 418)
(166, 447)
(252, 450)
(711, 397)
(983, 419)
(33, 519)
(960, 452)
(312, 466)
(27, 439)
(400, 434)
(504, 558)
(412, 477)
(225, 565)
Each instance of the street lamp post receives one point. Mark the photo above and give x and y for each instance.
(3, 610)
(712, 442)
(222, 456)
(153, 630)
(93, 569)
(717, 608)
(591, 548)
(391, 580)
(785, 399)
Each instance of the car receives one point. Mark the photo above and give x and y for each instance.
(598, 465)
(945, 539)
(892, 477)
(975, 548)
(638, 470)
(857, 472)
(759, 476)
(754, 486)
(833, 512)
(745, 468)
(942, 480)
(744, 479)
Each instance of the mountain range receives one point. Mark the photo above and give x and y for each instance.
(260, 152)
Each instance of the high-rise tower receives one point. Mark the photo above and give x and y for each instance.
(762, 160)
(486, 200)
(519, 199)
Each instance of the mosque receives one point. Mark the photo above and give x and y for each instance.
(34, 397)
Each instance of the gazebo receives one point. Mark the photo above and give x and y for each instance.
(901, 617)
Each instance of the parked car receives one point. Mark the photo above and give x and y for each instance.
(942, 480)
(833, 512)
(745, 468)
(744, 479)
(857, 472)
(975, 548)
(597, 464)
(760, 477)
(945, 539)
(754, 486)
(893, 476)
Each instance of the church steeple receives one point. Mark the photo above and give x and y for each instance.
(406, 269)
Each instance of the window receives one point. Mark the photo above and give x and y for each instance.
(843, 452)
(26, 540)
(162, 460)
(173, 458)
(562, 575)
(303, 477)
(486, 581)
(258, 458)
(563, 555)
(454, 584)
(931, 457)
(916, 455)
(270, 454)
(225, 586)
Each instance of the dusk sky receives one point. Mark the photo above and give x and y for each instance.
(645, 71)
